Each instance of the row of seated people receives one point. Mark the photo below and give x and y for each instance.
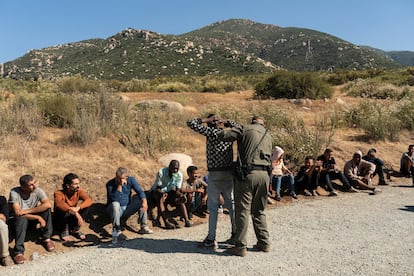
(357, 173)
(29, 210)
(31, 206)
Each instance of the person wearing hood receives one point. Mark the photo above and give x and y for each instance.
(359, 172)
(281, 174)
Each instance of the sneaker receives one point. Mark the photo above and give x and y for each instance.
(277, 197)
(168, 225)
(382, 182)
(232, 239)
(307, 193)
(199, 214)
(210, 243)
(332, 193)
(220, 209)
(145, 230)
(6, 261)
(188, 223)
(263, 248)
(176, 225)
(156, 223)
(375, 191)
(237, 251)
(314, 193)
(294, 195)
(270, 201)
(121, 236)
(352, 190)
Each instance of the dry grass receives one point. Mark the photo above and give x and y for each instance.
(49, 157)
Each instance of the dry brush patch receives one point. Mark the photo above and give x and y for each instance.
(50, 156)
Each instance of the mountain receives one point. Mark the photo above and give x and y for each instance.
(235, 46)
(402, 57)
(291, 48)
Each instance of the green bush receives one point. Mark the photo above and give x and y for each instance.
(290, 132)
(96, 115)
(293, 85)
(377, 120)
(77, 84)
(172, 87)
(405, 113)
(22, 117)
(373, 88)
(146, 132)
(338, 77)
(58, 109)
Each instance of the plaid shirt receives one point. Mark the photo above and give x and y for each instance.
(219, 153)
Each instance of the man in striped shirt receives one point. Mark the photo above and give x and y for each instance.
(220, 177)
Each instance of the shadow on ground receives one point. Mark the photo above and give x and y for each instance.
(408, 208)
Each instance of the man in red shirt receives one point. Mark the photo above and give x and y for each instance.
(70, 203)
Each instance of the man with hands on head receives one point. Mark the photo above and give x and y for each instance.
(220, 174)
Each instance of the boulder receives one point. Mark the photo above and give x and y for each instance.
(162, 105)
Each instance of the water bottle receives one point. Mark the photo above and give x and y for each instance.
(114, 236)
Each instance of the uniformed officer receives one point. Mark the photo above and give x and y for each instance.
(254, 150)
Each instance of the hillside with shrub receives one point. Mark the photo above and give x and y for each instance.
(231, 47)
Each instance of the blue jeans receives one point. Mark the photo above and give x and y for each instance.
(219, 182)
(332, 175)
(277, 181)
(116, 212)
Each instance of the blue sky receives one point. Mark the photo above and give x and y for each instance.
(36, 24)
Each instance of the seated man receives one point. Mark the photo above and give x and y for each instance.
(30, 206)
(166, 190)
(4, 233)
(371, 157)
(68, 208)
(359, 172)
(407, 163)
(307, 177)
(330, 172)
(121, 204)
(281, 174)
(195, 190)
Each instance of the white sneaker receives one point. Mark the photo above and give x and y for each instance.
(145, 230)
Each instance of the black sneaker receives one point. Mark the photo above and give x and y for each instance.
(382, 182)
(199, 214)
(232, 239)
(210, 243)
(188, 223)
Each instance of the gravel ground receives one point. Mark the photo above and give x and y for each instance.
(352, 234)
